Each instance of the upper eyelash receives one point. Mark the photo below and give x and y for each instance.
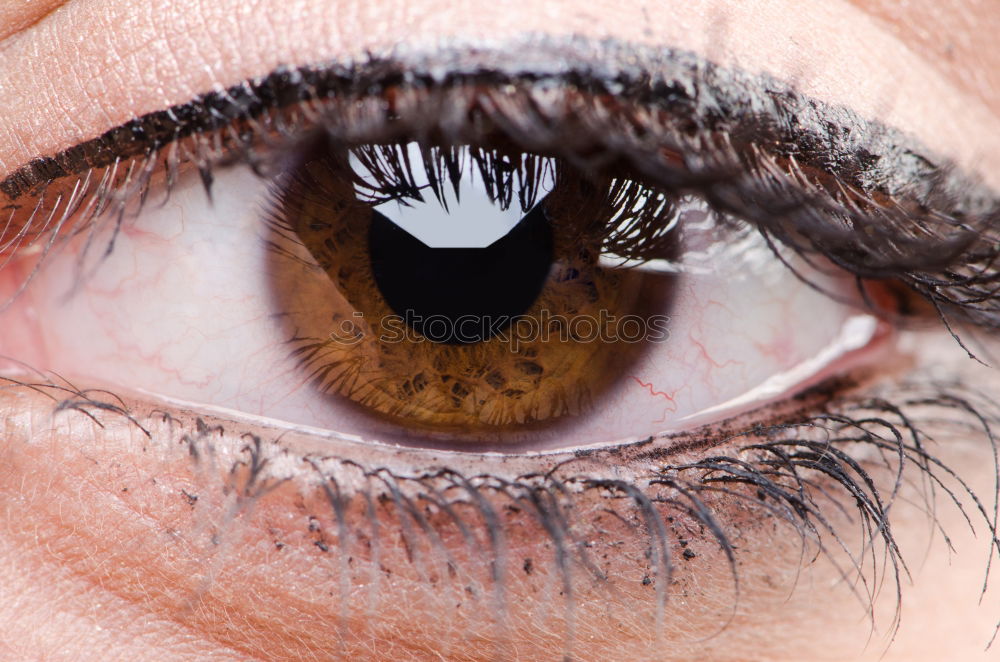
(636, 222)
(870, 199)
(697, 93)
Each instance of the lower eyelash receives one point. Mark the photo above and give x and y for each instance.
(684, 497)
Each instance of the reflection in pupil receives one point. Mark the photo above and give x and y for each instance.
(493, 257)
(461, 295)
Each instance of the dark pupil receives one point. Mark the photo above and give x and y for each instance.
(461, 295)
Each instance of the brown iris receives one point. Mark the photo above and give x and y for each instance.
(522, 331)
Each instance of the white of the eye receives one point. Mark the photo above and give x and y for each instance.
(856, 333)
(190, 305)
(472, 220)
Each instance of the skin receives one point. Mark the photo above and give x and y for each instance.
(105, 554)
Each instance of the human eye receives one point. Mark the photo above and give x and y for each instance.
(607, 312)
(205, 422)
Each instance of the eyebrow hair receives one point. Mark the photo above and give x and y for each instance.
(757, 109)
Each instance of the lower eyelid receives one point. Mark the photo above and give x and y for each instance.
(200, 497)
(363, 545)
(359, 539)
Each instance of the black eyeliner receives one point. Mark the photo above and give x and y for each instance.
(751, 108)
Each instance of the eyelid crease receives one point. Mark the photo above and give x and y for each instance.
(18, 16)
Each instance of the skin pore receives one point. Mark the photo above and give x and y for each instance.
(163, 542)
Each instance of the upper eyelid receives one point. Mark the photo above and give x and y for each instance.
(815, 175)
(757, 109)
